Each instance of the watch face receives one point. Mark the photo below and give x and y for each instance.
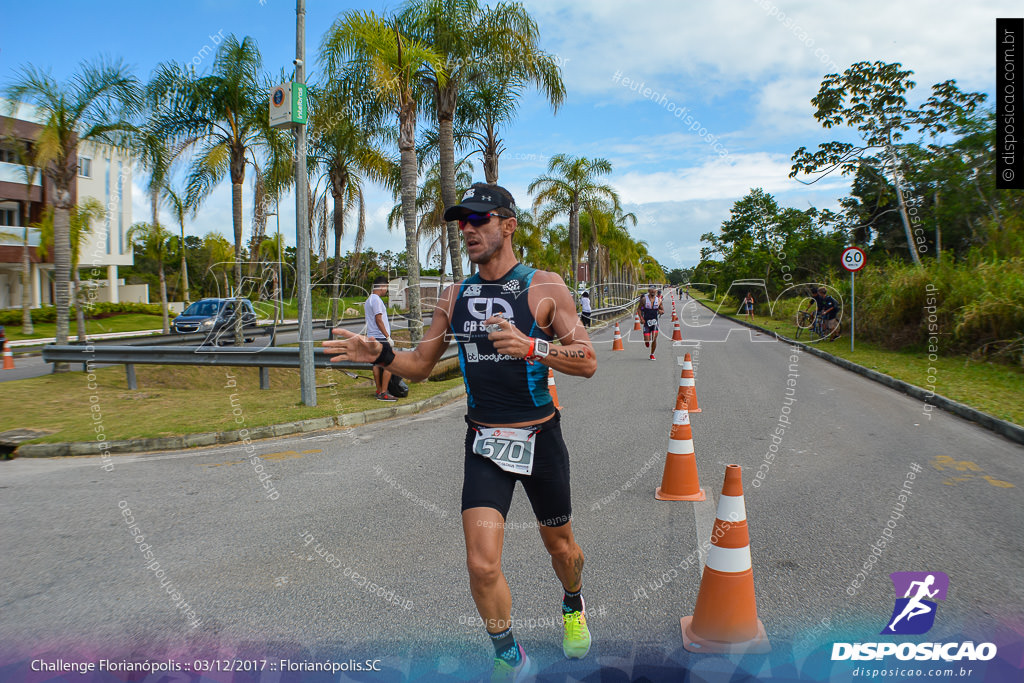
(541, 348)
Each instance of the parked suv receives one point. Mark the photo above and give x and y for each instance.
(215, 318)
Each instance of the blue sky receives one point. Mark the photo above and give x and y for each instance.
(744, 70)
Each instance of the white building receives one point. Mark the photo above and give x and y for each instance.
(104, 174)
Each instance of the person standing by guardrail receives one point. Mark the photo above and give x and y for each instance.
(379, 327)
(503, 318)
(585, 308)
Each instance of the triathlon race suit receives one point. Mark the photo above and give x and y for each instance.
(500, 390)
(649, 310)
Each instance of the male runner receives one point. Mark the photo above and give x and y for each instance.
(649, 308)
(503, 318)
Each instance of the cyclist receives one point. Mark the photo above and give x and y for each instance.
(503, 318)
(649, 308)
(828, 311)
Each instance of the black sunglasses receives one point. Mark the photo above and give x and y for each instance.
(478, 219)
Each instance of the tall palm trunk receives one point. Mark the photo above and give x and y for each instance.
(574, 245)
(79, 308)
(26, 270)
(184, 265)
(62, 263)
(446, 98)
(237, 178)
(443, 250)
(338, 181)
(407, 147)
(360, 235)
(163, 292)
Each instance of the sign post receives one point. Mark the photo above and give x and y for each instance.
(853, 259)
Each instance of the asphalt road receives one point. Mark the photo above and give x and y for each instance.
(384, 500)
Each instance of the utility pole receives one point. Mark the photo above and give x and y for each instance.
(307, 376)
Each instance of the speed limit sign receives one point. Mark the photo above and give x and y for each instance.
(853, 259)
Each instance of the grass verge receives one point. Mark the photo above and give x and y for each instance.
(115, 322)
(994, 388)
(177, 400)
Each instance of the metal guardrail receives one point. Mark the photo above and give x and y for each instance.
(264, 358)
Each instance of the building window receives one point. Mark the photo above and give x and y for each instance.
(84, 167)
(8, 217)
(8, 155)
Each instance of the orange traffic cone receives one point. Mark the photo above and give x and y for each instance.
(725, 619)
(8, 356)
(686, 396)
(617, 343)
(677, 334)
(552, 389)
(636, 323)
(679, 480)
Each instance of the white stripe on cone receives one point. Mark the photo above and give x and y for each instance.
(680, 446)
(680, 417)
(730, 560)
(686, 382)
(731, 509)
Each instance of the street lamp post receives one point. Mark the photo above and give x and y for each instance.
(307, 376)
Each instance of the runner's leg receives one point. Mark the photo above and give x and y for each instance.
(484, 529)
(566, 555)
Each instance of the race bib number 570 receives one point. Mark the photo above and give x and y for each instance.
(509, 449)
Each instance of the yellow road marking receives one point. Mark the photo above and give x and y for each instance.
(944, 462)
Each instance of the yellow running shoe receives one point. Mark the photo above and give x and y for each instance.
(576, 643)
(503, 672)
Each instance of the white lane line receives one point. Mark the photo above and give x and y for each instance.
(704, 513)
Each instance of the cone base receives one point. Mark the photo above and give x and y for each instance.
(700, 495)
(757, 645)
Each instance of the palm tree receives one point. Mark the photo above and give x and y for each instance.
(393, 65)
(344, 149)
(475, 40)
(97, 104)
(177, 202)
(224, 115)
(80, 222)
(430, 207)
(569, 187)
(153, 240)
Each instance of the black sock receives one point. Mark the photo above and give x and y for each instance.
(505, 646)
(573, 602)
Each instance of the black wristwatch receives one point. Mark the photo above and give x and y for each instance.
(387, 355)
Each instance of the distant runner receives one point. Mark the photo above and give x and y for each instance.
(649, 308)
(503, 319)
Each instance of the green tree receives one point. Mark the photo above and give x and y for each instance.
(475, 41)
(80, 221)
(395, 66)
(154, 242)
(224, 116)
(97, 104)
(344, 148)
(871, 97)
(569, 187)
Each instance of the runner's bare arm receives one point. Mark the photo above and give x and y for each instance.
(555, 312)
(414, 365)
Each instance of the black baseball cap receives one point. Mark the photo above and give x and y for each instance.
(481, 198)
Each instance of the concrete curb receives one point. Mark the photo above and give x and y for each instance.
(992, 423)
(52, 450)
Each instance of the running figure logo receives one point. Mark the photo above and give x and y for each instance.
(914, 613)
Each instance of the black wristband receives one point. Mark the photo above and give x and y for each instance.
(386, 355)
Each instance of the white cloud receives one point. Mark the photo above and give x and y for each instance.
(720, 178)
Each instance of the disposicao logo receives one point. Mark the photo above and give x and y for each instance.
(914, 614)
